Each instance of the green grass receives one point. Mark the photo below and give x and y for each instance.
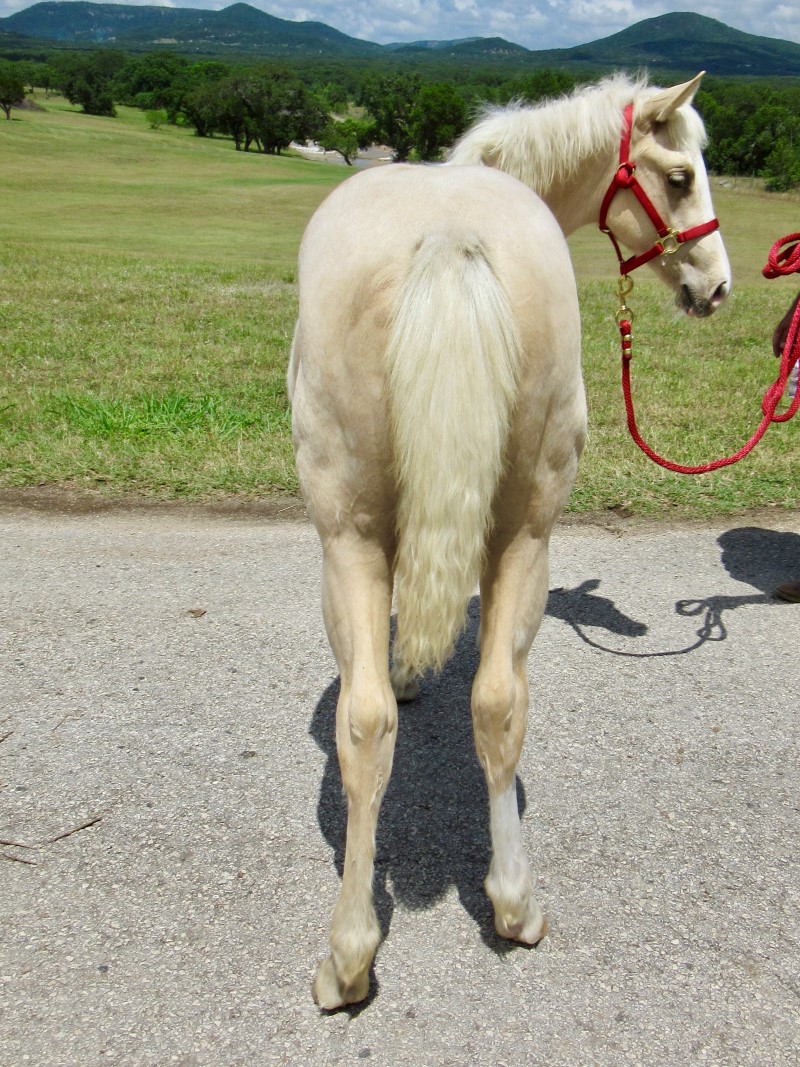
(147, 301)
(80, 182)
(697, 389)
(147, 377)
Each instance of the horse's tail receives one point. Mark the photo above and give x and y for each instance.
(453, 359)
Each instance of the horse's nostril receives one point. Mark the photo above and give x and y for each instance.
(720, 293)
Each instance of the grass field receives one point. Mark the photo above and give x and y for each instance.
(147, 299)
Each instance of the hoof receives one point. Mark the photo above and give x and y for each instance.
(529, 930)
(330, 994)
(404, 688)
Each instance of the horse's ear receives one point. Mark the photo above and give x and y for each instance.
(659, 106)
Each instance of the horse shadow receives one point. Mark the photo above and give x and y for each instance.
(433, 832)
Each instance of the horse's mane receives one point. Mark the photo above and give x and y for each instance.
(547, 142)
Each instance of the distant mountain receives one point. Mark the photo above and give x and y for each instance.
(681, 41)
(465, 47)
(685, 41)
(238, 29)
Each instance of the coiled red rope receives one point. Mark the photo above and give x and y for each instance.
(784, 259)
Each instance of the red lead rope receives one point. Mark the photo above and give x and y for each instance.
(781, 262)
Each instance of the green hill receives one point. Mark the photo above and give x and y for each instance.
(476, 47)
(239, 28)
(680, 41)
(686, 41)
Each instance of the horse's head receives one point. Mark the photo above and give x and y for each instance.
(665, 155)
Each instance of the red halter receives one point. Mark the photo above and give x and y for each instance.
(784, 261)
(669, 239)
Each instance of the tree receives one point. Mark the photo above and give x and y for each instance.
(347, 137)
(782, 166)
(270, 108)
(29, 72)
(180, 100)
(88, 79)
(147, 81)
(390, 100)
(233, 116)
(438, 116)
(284, 111)
(200, 108)
(46, 78)
(541, 85)
(12, 87)
(332, 97)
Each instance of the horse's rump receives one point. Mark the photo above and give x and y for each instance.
(420, 349)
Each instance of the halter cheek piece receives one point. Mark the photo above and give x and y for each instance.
(669, 239)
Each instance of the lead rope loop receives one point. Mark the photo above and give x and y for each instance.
(780, 263)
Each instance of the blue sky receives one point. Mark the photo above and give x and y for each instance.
(533, 23)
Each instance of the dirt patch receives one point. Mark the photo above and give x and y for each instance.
(62, 500)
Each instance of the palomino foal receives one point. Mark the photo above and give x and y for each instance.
(438, 417)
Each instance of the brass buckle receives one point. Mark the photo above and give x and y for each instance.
(624, 288)
(670, 242)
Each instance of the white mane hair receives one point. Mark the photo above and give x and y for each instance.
(548, 142)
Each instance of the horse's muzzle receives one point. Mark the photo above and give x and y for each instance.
(702, 307)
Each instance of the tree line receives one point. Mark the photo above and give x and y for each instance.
(753, 130)
(260, 108)
(753, 127)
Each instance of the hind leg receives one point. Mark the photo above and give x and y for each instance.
(513, 597)
(356, 606)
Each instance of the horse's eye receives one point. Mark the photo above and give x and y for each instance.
(679, 179)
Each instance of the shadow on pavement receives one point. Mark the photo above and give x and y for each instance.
(761, 558)
(433, 829)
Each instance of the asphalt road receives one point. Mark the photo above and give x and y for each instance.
(167, 757)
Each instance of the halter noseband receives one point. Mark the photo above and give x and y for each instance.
(669, 239)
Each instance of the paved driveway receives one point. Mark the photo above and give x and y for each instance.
(167, 754)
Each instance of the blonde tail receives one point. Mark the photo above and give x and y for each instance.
(453, 359)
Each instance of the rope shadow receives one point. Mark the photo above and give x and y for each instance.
(761, 558)
(578, 609)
